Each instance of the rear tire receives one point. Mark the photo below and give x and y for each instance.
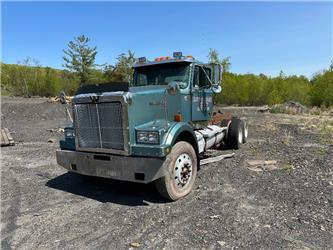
(235, 134)
(181, 171)
(245, 131)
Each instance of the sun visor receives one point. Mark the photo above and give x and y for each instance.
(103, 87)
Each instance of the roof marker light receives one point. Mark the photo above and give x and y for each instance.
(142, 59)
(177, 55)
(162, 58)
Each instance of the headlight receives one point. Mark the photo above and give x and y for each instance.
(69, 133)
(147, 137)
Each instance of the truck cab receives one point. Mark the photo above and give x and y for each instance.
(152, 129)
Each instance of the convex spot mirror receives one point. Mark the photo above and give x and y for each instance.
(216, 89)
(173, 88)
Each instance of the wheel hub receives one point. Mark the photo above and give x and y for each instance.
(182, 170)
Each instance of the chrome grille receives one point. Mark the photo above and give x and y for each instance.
(99, 125)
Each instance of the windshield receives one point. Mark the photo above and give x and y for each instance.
(162, 74)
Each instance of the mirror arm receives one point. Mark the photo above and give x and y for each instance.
(210, 81)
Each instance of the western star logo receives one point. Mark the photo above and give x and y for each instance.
(94, 98)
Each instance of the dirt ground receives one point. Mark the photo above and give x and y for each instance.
(43, 206)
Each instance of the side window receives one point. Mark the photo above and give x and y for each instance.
(200, 78)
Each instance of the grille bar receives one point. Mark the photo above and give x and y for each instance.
(99, 127)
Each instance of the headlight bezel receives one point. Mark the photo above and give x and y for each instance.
(152, 137)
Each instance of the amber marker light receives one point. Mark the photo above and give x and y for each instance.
(178, 118)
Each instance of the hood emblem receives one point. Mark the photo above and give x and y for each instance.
(94, 98)
(156, 103)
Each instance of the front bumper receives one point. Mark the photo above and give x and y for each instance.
(127, 168)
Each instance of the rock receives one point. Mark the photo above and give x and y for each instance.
(135, 244)
(290, 107)
(221, 243)
(51, 140)
(216, 216)
(263, 109)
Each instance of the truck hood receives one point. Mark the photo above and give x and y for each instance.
(146, 103)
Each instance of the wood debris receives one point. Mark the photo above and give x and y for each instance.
(215, 159)
(53, 99)
(6, 138)
(261, 165)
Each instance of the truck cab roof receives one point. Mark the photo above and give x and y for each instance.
(170, 60)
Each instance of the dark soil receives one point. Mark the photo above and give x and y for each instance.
(43, 206)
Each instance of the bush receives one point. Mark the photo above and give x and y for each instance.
(252, 89)
(321, 93)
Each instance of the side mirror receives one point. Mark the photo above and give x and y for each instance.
(173, 88)
(217, 72)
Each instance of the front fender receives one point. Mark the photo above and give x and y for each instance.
(175, 130)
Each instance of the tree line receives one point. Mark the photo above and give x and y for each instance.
(29, 78)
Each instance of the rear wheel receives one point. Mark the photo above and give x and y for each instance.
(245, 131)
(235, 134)
(181, 172)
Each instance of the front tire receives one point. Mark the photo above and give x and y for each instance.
(181, 171)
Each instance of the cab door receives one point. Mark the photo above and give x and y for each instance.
(202, 98)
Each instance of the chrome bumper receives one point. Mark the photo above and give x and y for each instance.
(127, 168)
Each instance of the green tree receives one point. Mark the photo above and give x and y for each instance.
(122, 71)
(80, 58)
(321, 93)
(214, 57)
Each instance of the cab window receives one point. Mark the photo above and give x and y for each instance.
(200, 77)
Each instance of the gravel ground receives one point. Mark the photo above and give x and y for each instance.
(43, 206)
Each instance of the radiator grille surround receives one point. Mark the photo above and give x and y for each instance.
(100, 127)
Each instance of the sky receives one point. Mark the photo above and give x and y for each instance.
(259, 37)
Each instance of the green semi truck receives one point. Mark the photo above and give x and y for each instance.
(155, 128)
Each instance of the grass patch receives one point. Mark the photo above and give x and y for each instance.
(325, 129)
(287, 167)
(287, 137)
(320, 151)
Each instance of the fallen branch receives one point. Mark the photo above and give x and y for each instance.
(215, 159)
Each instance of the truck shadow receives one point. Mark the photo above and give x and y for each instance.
(107, 190)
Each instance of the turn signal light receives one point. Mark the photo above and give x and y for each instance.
(178, 118)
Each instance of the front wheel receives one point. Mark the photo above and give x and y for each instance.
(181, 171)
